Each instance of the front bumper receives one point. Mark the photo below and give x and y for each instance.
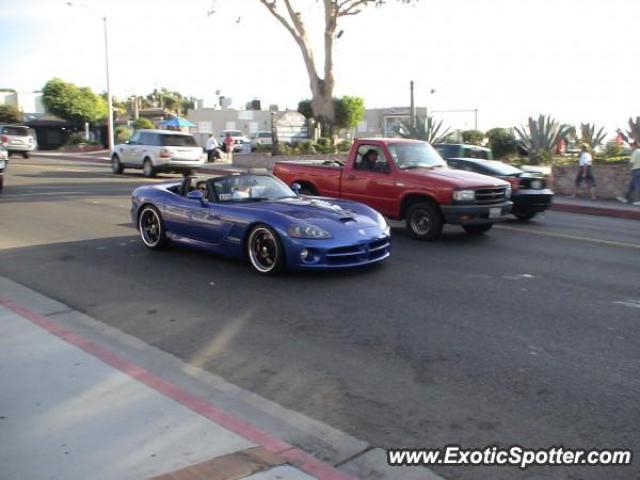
(473, 214)
(339, 253)
(528, 200)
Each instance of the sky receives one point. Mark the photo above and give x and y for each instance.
(572, 59)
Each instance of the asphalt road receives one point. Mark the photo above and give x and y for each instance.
(527, 335)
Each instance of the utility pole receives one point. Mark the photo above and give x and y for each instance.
(413, 106)
(103, 17)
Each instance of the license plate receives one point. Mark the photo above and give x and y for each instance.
(495, 212)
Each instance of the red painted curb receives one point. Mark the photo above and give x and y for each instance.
(303, 460)
(599, 211)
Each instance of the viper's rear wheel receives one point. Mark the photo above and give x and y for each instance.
(265, 250)
(151, 228)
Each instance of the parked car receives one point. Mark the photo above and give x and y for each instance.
(530, 194)
(239, 139)
(462, 150)
(158, 151)
(260, 218)
(262, 137)
(409, 181)
(4, 161)
(17, 139)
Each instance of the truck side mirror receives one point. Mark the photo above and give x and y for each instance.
(296, 187)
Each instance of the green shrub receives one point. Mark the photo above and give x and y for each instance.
(79, 139)
(324, 145)
(143, 123)
(307, 147)
(121, 134)
(263, 148)
(344, 146)
(502, 142)
(613, 149)
(474, 137)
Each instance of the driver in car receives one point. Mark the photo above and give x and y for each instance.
(369, 160)
(202, 187)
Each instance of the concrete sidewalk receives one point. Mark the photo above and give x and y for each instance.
(605, 208)
(75, 403)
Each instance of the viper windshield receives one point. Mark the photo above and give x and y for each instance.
(415, 155)
(243, 188)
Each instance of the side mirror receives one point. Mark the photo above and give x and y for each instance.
(296, 187)
(197, 195)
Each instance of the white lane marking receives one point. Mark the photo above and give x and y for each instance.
(629, 303)
(518, 277)
(611, 243)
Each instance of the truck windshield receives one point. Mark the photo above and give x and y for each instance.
(415, 155)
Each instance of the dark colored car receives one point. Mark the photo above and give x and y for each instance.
(463, 150)
(530, 194)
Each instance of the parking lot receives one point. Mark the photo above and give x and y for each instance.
(527, 335)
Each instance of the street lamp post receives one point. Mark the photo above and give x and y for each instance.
(103, 17)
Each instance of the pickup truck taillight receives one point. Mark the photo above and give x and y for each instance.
(4, 139)
(165, 153)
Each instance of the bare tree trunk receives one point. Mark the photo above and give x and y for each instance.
(321, 88)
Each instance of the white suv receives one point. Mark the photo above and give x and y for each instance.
(17, 139)
(158, 151)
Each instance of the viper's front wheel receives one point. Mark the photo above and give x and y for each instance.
(265, 250)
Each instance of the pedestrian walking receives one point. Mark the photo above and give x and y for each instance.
(585, 172)
(228, 143)
(212, 149)
(634, 183)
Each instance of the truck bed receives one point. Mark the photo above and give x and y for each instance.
(325, 175)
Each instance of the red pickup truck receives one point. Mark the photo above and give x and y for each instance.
(405, 180)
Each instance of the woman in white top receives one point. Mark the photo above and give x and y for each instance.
(585, 172)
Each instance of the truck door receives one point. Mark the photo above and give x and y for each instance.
(369, 179)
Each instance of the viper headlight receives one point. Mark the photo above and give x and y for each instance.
(464, 195)
(382, 222)
(308, 231)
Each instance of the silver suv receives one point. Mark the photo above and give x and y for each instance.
(17, 139)
(158, 151)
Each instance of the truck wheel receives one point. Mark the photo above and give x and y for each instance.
(477, 229)
(525, 216)
(1, 181)
(147, 169)
(424, 221)
(25, 154)
(308, 190)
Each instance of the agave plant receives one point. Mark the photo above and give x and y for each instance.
(634, 129)
(429, 130)
(589, 135)
(540, 136)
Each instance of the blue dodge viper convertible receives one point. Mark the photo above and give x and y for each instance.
(260, 218)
